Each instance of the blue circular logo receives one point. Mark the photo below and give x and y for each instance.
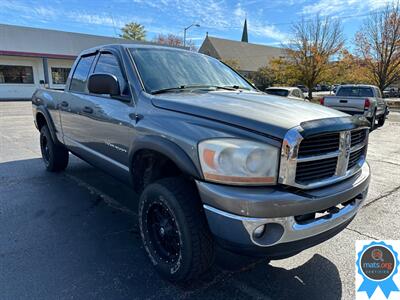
(377, 263)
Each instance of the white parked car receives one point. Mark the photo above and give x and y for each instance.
(289, 92)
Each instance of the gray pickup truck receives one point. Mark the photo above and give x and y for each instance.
(359, 99)
(215, 161)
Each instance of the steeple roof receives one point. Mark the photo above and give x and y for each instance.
(245, 36)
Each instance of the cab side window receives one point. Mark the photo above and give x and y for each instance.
(108, 63)
(378, 93)
(80, 76)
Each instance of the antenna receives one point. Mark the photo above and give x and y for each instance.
(113, 22)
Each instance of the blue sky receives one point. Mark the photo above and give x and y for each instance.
(268, 21)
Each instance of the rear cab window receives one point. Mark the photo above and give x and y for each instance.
(81, 72)
(355, 92)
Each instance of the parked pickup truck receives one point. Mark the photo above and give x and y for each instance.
(215, 161)
(357, 99)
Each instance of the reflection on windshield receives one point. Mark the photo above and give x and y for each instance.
(162, 69)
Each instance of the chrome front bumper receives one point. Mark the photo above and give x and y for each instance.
(286, 228)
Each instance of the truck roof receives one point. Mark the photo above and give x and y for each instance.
(357, 85)
(134, 44)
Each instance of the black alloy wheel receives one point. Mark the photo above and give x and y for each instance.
(174, 229)
(45, 149)
(163, 232)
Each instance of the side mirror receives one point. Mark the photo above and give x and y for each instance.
(100, 83)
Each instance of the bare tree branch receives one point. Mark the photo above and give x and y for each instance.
(378, 44)
(312, 47)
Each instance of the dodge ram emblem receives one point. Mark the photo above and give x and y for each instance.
(348, 143)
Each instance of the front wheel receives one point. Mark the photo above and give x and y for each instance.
(174, 229)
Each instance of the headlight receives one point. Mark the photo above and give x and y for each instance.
(241, 162)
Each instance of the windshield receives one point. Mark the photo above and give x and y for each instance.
(355, 92)
(278, 92)
(162, 69)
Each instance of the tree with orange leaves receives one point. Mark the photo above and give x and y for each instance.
(348, 68)
(312, 46)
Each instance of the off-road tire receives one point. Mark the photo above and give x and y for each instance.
(180, 199)
(55, 156)
(381, 120)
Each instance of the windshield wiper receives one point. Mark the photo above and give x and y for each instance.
(225, 87)
(185, 87)
(236, 87)
(167, 90)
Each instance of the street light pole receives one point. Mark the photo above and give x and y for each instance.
(184, 33)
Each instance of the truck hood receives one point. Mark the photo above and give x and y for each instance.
(267, 114)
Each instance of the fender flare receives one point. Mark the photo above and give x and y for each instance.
(43, 111)
(167, 148)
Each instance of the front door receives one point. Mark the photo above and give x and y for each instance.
(110, 120)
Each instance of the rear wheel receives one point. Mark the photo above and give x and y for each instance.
(174, 230)
(55, 157)
(381, 120)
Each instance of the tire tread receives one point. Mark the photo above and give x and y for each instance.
(202, 246)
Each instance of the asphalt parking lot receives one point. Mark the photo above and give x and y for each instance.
(74, 235)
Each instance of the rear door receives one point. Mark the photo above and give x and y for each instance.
(75, 98)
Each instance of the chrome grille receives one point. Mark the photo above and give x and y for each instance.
(320, 144)
(322, 159)
(316, 169)
(357, 137)
(355, 157)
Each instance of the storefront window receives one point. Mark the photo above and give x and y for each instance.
(16, 74)
(59, 75)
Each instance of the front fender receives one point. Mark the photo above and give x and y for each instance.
(167, 148)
